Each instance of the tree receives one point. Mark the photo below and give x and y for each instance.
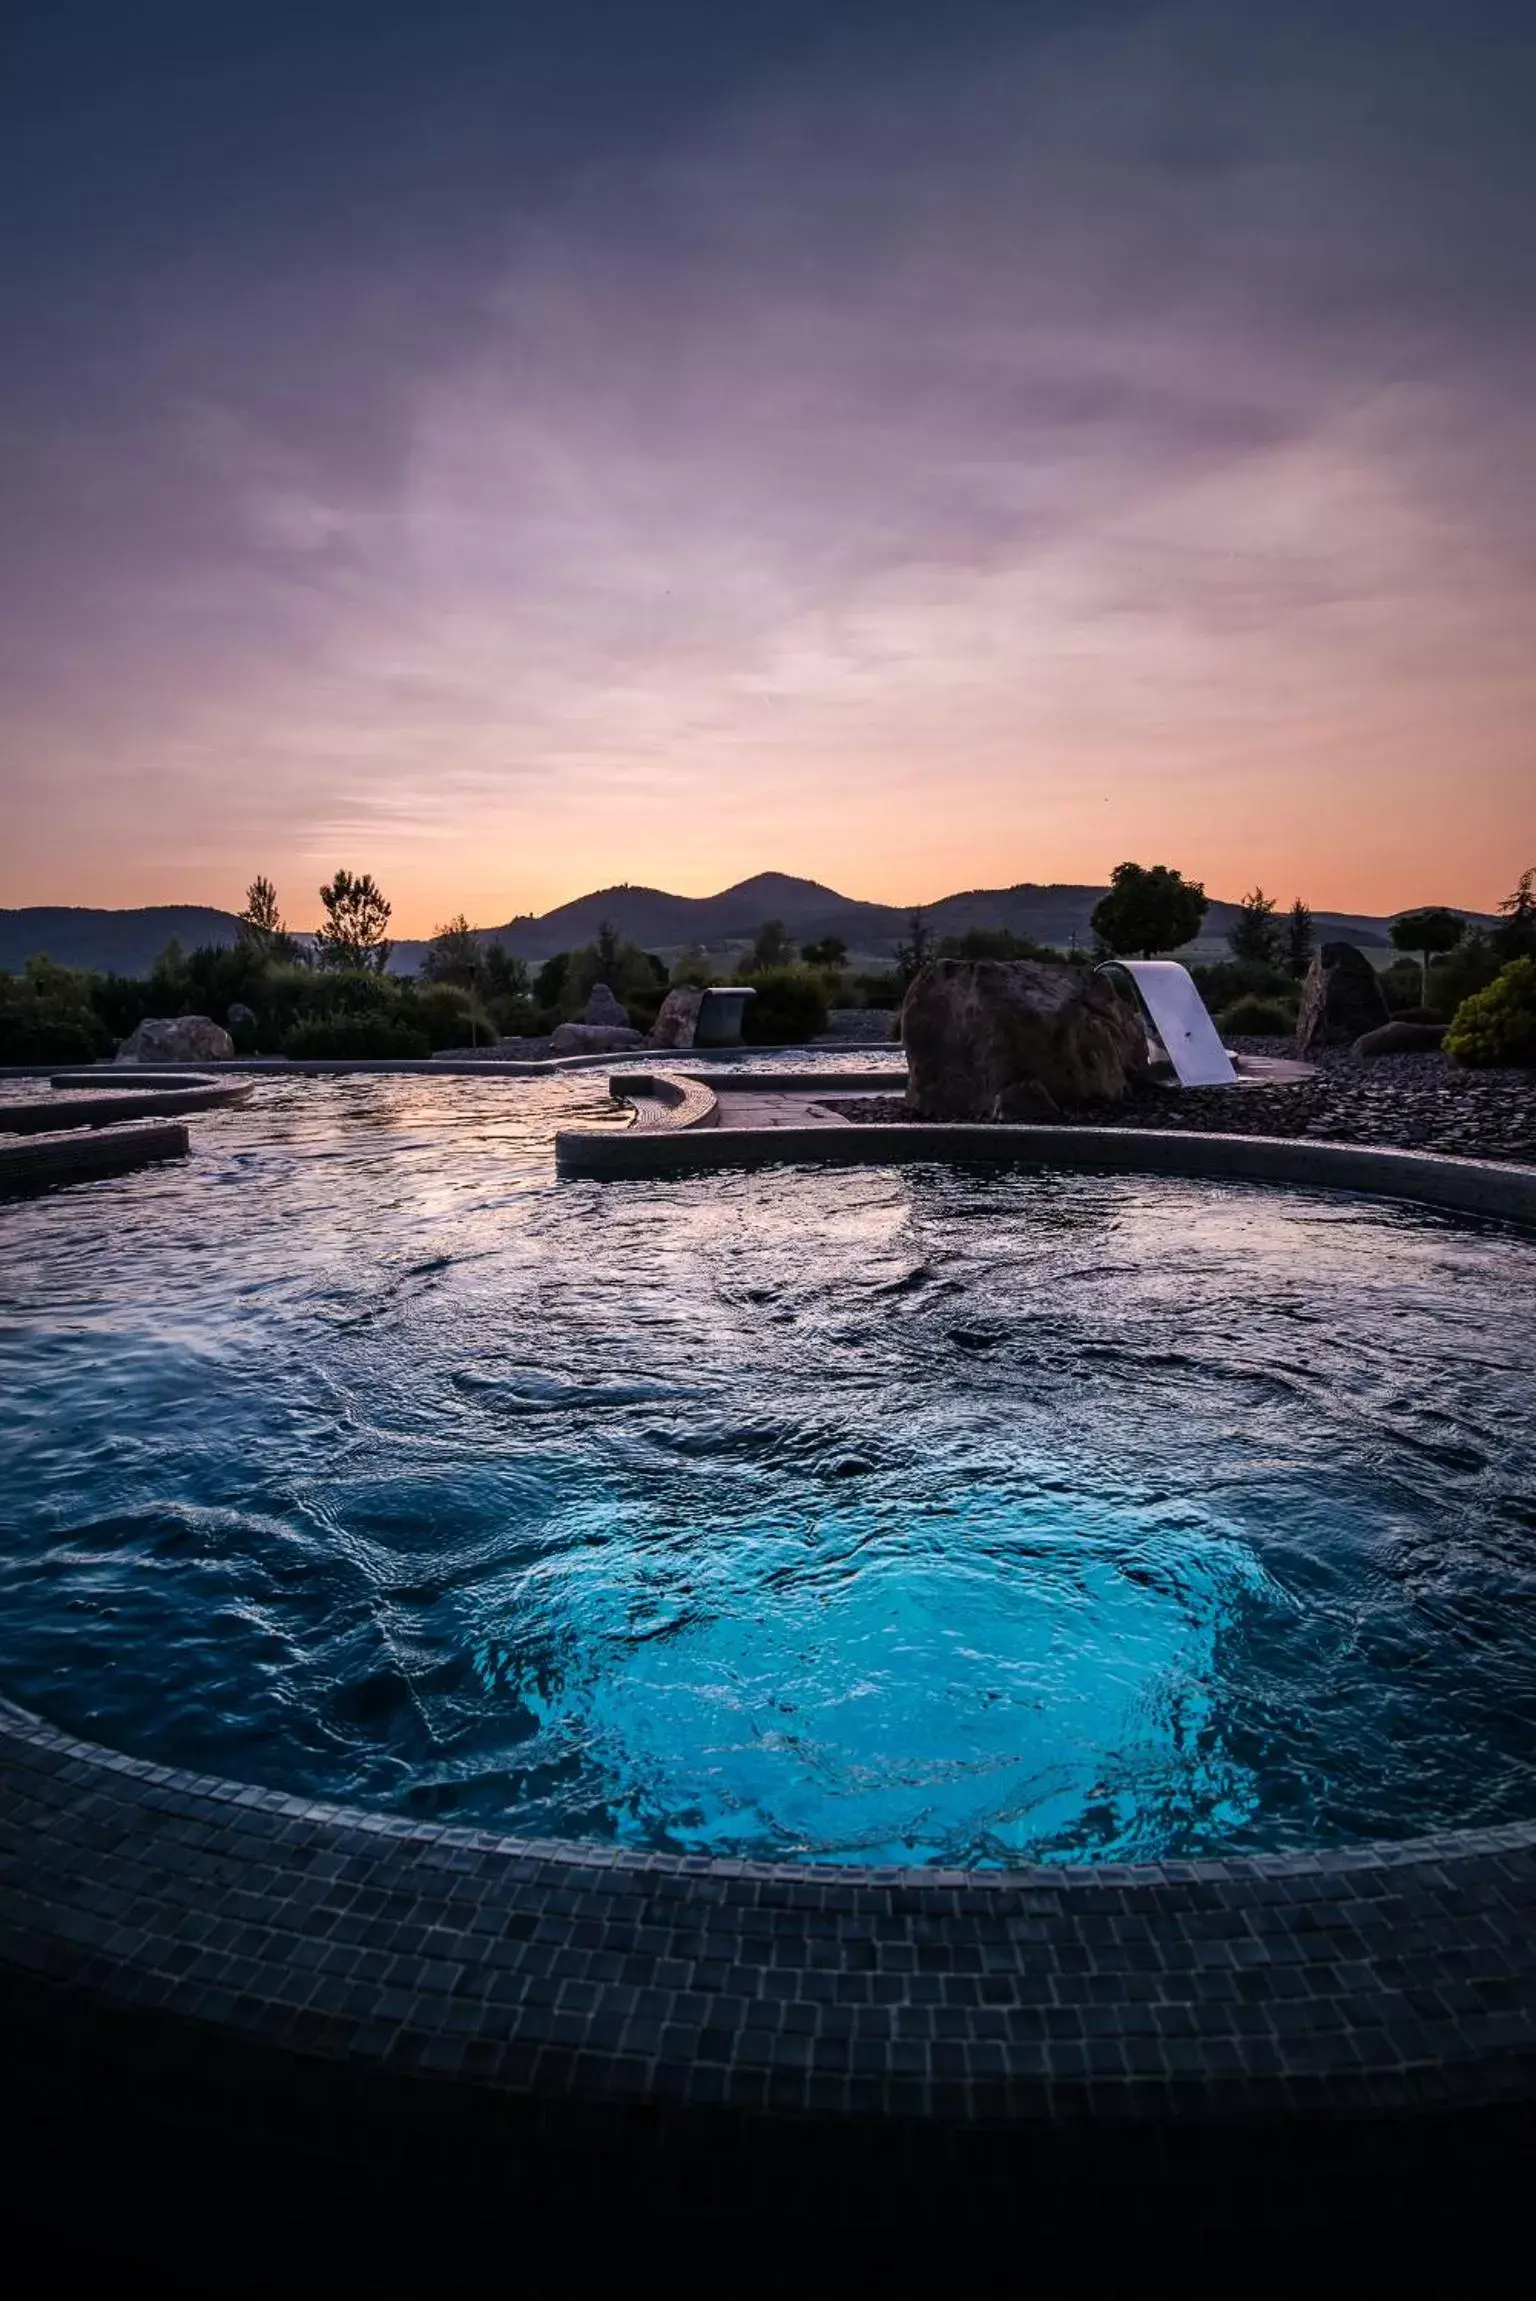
(549, 982)
(261, 922)
(454, 955)
(1516, 937)
(1298, 939)
(1254, 935)
(1431, 933)
(1148, 910)
(831, 951)
(506, 975)
(913, 955)
(992, 943)
(353, 939)
(772, 947)
(608, 954)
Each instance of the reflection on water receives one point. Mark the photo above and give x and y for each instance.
(881, 1515)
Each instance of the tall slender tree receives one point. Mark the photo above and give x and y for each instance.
(353, 937)
(1515, 935)
(1255, 933)
(1299, 939)
(913, 954)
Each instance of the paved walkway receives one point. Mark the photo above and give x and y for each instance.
(762, 1109)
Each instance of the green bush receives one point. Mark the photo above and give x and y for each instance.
(1498, 1025)
(46, 1016)
(629, 972)
(448, 1015)
(44, 1038)
(878, 990)
(1471, 967)
(1226, 980)
(120, 1003)
(992, 943)
(1401, 985)
(790, 1005)
(1256, 1018)
(517, 1018)
(549, 982)
(356, 1038)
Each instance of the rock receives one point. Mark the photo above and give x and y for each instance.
(678, 1018)
(594, 1039)
(1401, 1038)
(604, 1011)
(1016, 1039)
(239, 1016)
(177, 1039)
(1340, 999)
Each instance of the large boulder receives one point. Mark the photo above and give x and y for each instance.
(1341, 999)
(177, 1039)
(603, 1010)
(1401, 1038)
(677, 1019)
(594, 1039)
(1016, 1039)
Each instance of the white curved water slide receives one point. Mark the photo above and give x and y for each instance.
(1181, 1019)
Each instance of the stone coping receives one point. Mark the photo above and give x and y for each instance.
(64, 1110)
(45, 1162)
(1428, 1178)
(1385, 1978)
(427, 1066)
(664, 1105)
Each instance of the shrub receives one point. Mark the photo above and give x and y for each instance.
(878, 990)
(992, 943)
(1472, 966)
(448, 1014)
(356, 1038)
(46, 1016)
(1402, 986)
(791, 1005)
(517, 1018)
(549, 982)
(628, 971)
(1227, 979)
(120, 1003)
(1498, 1024)
(45, 1038)
(1255, 1018)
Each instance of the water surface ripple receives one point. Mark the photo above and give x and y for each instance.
(882, 1515)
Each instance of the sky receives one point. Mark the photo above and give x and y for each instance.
(515, 450)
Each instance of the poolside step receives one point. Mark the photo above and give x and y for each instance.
(46, 1161)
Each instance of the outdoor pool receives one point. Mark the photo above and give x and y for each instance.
(853, 1514)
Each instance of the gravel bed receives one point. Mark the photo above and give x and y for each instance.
(874, 1024)
(1405, 1102)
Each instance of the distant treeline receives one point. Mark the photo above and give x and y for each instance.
(330, 994)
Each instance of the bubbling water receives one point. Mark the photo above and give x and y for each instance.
(881, 1515)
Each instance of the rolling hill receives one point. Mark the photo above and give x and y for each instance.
(128, 942)
(111, 942)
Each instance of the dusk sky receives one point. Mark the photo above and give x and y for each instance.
(513, 449)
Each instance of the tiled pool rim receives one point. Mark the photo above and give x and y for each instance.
(1386, 1992)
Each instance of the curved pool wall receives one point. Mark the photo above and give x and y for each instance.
(367, 2036)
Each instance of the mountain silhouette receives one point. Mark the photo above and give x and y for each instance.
(128, 942)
